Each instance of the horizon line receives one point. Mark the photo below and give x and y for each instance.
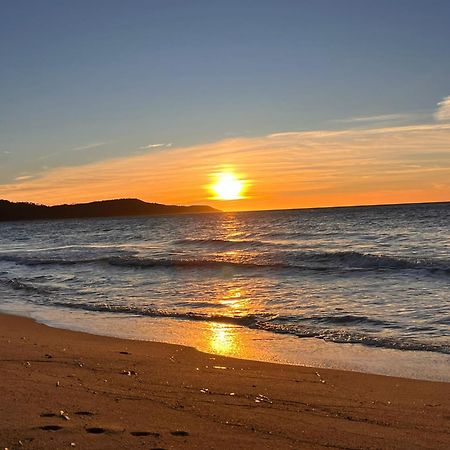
(241, 210)
(369, 205)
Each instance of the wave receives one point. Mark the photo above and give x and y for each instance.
(346, 319)
(341, 336)
(221, 242)
(292, 235)
(188, 263)
(140, 262)
(366, 261)
(269, 322)
(324, 261)
(315, 261)
(19, 285)
(248, 320)
(44, 261)
(333, 328)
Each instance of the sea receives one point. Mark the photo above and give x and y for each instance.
(306, 286)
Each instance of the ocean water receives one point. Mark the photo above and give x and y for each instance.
(373, 276)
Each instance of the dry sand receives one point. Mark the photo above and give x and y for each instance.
(63, 389)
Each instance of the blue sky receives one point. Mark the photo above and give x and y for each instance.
(84, 81)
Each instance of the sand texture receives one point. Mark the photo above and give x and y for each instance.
(62, 389)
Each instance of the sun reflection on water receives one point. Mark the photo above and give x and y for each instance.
(230, 227)
(223, 339)
(235, 302)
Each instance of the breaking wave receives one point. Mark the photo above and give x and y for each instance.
(318, 261)
(345, 328)
(268, 322)
(345, 336)
(248, 320)
(19, 285)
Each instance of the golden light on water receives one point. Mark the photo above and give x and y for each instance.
(228, 186)
(235, 302)
(223, 339)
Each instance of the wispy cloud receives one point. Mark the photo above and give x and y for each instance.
(84, 147)
(442, 113)
(23, 177)
(378, 118)
(88, 146)
(5, 155)
(149, 146)
(291, 169)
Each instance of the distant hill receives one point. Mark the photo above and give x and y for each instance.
(107, 208)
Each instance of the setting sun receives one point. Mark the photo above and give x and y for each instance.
(228, 187)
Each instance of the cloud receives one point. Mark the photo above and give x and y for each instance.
(23, 177)
(5, 155)
(285, 170)
(88, 146)
(379, 118)
(149, 146)
(442, 114)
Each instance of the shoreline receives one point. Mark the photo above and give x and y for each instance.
(120, 393)
(244, 343)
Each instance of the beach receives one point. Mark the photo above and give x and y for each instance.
(66, 389)
(224, 225)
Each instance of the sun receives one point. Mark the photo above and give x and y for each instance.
(228, 186)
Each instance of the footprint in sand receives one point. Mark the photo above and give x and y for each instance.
(145, 433)
(84, 413)
(179, 433)
(51, 428)
(95, 430)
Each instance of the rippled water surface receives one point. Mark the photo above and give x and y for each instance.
(378, 276)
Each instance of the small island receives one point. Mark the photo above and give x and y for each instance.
(10, 211)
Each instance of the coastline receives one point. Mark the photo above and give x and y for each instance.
(243, 342)
(120, 393)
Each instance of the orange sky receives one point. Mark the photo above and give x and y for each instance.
(284, 170)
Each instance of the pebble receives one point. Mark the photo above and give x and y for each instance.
(262, 398)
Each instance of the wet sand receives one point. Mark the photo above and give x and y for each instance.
(63, 389)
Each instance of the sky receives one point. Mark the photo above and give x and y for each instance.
(310, 103)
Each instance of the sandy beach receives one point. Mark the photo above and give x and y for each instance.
(64, 389)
